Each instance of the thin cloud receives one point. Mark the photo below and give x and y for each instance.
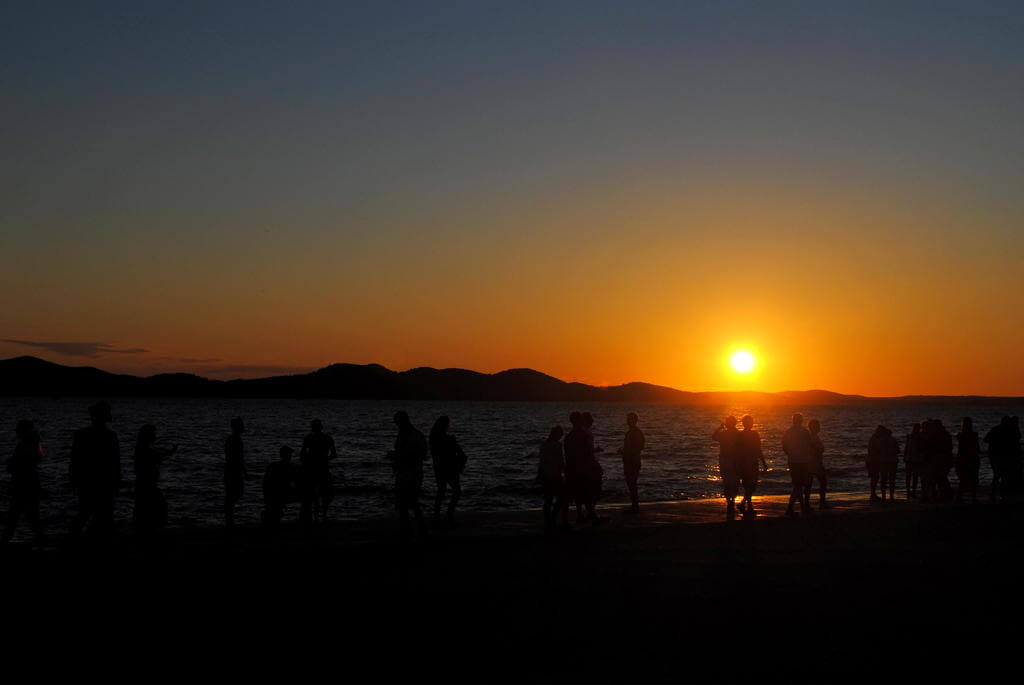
(78, 349)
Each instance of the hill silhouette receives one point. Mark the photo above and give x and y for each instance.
(31, 376)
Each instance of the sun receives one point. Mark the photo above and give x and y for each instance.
(742, 361)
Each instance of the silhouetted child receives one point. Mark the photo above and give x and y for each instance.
(25, 486)
(748, 455)
(817, 468)
(317, 489)
(796, 443)
(550, 468)
(234, 470)
(150, 510)
(449, 463)
(281, 484)
(633, 444)
(727, 438)
(407, 462)
(968, 461)
(95, 473)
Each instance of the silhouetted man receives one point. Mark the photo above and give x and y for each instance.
(799, 448)
(727, 438)
(317, 451)
(632, 445)
(407, 461)
(234, 470)
(279, 485)
(95, 473)
(1001, 445)
(449, 461)
(748, 454)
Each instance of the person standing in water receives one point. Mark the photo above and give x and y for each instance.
(25, 486)
(549, 474)
(727, 438)
(407, 463)
(632, 445)
(150, 510)
(796, 443)
(317, 490)
(748, 454)
(95, 473)
(449, 463)
(817, 469)
(234, 471)
(279, 487)
(593, 474)
(968, 461)
(574, 447)
(874, 460)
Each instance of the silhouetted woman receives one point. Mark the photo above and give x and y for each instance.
(574, 447)
(817, 469)
(407, 462)
(968, 461)
(449, 462)
(234, 470)
(874, 460)
(150, 506)
(593, 474)
(25, 487)
(727, 438)
(549, 475)
(748, 454)
(913, 454)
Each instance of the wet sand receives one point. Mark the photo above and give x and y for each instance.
(672, 591)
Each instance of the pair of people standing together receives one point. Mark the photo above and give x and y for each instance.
(738, 457)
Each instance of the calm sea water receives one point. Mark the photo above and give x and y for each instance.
(501, 439)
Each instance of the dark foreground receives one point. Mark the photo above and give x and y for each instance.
(891, 588)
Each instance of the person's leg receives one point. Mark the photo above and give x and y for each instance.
(454, 501)
(873, 475)
(13, 514)
(442, 488)
(548, 505)
(822, 488)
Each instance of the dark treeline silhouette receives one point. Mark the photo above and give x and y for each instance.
(569, 472)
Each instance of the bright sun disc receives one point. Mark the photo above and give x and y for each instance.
(742, 361)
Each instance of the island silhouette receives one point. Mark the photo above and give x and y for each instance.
(32, 376)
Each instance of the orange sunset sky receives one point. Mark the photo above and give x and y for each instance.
(599, 193)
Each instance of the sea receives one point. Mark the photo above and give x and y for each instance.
(501, 440)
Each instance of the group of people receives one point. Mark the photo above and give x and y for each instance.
(568, 472)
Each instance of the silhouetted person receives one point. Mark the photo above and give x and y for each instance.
(591, 471)
(748, 454)
(234, 470)
(727, 438)
(1013, 470)
(817, 469)
(95, 473)
(938, 446)
(968, 461)
(407, 462)
(550, 470)
(1000, 441)
(881, 462)
(796, 443)
(317, 490)
(449, 462)
(889, 464)
(25, 486)
(150, 510)
(632, 445)
(913, 460)
(281, 483)
(574, 447)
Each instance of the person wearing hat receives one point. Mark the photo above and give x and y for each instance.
(95, 473)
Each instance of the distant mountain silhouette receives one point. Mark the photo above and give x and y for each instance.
(31, 376)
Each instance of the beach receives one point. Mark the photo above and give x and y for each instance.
(672, 590)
